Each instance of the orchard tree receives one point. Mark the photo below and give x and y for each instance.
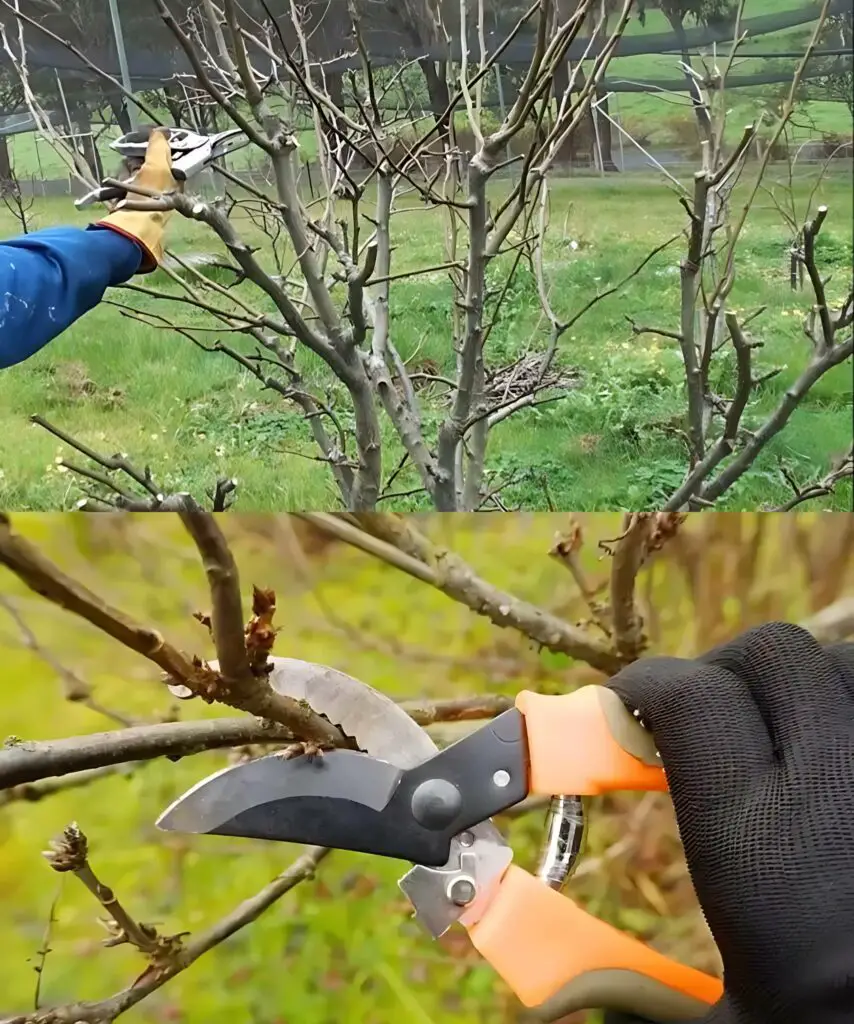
(837, 80)
(313, 319)
(11, 101)
(709, 13)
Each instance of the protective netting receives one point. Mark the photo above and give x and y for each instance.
(154, 55)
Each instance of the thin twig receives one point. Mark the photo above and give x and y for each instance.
(74, 688)
(567, 550)
(243, 914)
(70, 852)
(33, 792)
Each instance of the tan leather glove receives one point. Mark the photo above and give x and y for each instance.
(144, 227)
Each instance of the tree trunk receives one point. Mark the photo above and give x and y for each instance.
(175, 106)
(579, 148)
(120, 111)
(331, 131)
(440, 97)
(566, 154)
(5, 161)
(86, 144)
(704, 121)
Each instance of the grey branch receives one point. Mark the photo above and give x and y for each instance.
(85, 758)
(628, 555)
(49, 581)
(395, 540)
(75, 689)
(33, 792)
(226, 604)
(24, 761)
(245, 913)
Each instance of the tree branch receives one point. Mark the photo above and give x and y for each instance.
(628, 555)
(46, 579)
(834, 623)
(395, 540)
(226, 604)
(243, 914)
(75, 689)
(33, 792)
(70, 852)
(24, 761)
(566, 550)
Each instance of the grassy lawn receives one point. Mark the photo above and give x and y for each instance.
(121, 386)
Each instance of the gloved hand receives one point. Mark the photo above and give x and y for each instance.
(757, 740)
(147, 227)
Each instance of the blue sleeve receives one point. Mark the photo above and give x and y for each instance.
(50, 278)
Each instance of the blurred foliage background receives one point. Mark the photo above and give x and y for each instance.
(343, 947)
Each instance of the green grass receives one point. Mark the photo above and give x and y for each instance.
(34, 159)
(119, 385)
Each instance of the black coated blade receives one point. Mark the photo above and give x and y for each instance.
(351, 801)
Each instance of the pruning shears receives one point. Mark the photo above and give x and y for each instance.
(399, 796)
(191, 153)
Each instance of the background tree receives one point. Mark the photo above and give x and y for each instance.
(702, 12)
(837, 81)
(11, 101)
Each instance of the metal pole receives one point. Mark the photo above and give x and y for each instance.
(597, 156)
(123, 61)
(619, 119)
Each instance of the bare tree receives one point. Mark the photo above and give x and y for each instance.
(703, 12)
(621, 613)
(11, 100)
(837, 81)
(322, 289)
(721, 449)
(330, 286)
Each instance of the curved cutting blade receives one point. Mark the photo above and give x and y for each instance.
(345, 800)
(379, 726)
(242, 800)
(349, 800)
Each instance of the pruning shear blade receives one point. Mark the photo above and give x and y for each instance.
(191, 152)
(231, 802)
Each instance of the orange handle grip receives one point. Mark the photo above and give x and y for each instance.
(557, 958)
(586, 743)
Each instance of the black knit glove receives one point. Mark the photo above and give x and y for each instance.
(757, 739)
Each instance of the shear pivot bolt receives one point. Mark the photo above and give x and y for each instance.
(462, 891)
(435, 803)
